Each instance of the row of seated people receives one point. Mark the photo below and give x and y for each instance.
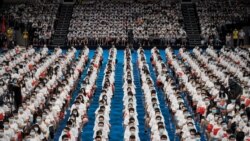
(154, 119)
(182, 117)
(130, 122)
(229, 104)
(6, 79)
(105, 22)
(38, 18)
(102, 117)
(47, 97)
(222, 113)
(78, 111)
(233, 111)
(12, 59)
(213, 15)
(234, 64)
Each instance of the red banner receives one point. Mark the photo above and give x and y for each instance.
(3, 27)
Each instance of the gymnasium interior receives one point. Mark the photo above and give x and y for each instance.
(124, 70)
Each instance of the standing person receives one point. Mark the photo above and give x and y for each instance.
(249, 36)
(25, 37)
(241, 37)
(235, 37)
(228, 40)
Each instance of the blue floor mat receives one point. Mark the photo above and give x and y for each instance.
(143, 130)
(116, 115)
(163, 105)
(62, 124)
(87, 131)
(197, 124)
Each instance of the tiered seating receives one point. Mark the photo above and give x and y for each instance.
(215, 15)
(129, 100)
(102, 125)
(39, 18)
(90, 26)
(158, 21)
(153, 117)
(106, 22)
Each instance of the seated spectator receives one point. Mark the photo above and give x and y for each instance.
(101, 22)
(39, 20)
(214, 15)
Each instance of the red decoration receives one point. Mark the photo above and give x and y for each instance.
(201, 110)
(215, 131)
(3, 26)
(247, 103)
(209, 127)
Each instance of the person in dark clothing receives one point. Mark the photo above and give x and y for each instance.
(15, 89)
(240, 136)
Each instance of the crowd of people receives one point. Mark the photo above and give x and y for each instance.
(78, 111)
(131, 130)
(236, 38)
(46, 81)
(154, 119)
(102, 118)
(182, 117)
(215, 15)
(37, 18)
(207, 93)
(104, 23)
(198, 88)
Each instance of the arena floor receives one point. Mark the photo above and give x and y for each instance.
(116, 114)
